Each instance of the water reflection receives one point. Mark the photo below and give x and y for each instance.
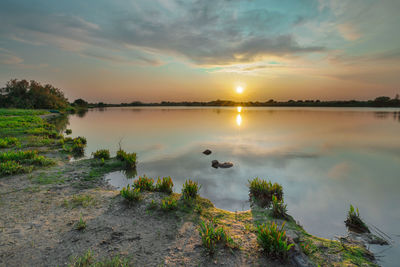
(324, 158)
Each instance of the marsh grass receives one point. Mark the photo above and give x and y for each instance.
(131, 194)
(88, 260)
(261, 192)
(101, 154)
(144, 183)
(190, 190)
(81, 224)
(354, 221)
(164, 185)
(211, 236)
(279, 208)
(273, 240)
(15, 162)
(80, 201)
(8, 142)
(169, 203)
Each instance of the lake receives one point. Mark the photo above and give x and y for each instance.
(325, 158)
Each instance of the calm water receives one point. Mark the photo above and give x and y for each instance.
(324, 158)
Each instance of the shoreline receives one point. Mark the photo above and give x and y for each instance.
(42, 207)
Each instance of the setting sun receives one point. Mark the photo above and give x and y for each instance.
(239, 89)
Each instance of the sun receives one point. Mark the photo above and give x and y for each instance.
(239, 89)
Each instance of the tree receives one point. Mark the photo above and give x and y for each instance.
(24, 94)
(80, 102)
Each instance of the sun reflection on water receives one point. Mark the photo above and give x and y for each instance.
(238, 119)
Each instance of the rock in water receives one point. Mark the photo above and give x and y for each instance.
(225, 165)
(215, 164)
(207, 152)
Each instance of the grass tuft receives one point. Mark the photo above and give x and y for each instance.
(190, 190)
(354, 221)
(131, 194)
(101, 154)
(261, 192)
(164, 185)
(144, 183)
(169, 203)
(211, 236)
(273, 240)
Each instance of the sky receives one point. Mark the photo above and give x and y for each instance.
(201, 50)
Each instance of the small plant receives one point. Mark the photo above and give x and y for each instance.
(190, 190)
(121, 154)
(81, 224)
(144, 183)
(261, 192)
(212, 235)
(130, 160)
(88, 260)
(354, 222)
(12, 167)
(131, 194)
(68, 131)
(101, 154)
(279, 208)
(308, 247)
(169, 203)
(82, 200)
(273, 240)
(153, 205)
(9, 142)
(164, 185)
(78, 146)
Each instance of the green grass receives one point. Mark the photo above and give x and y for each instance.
(279, 208)
(190, 190)
(81, 224)
(15, 162)
(82, 200)
(144, 183)
(21, 112)
(88, 260)
(8, 142)
(169, 203)
(261, 192)
(273, 240)
(354, 221)
(164, 185)
(211, 236)
(131, 194)
(101, 154)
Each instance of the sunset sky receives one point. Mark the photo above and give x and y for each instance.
(126, 50)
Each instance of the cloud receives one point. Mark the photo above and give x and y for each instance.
(349, 32)
(203, 32)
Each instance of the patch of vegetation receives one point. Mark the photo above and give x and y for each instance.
(9, 142)
(153, 205)
(169, 203)
(88, 260)
(308, 247)
(211, 236)
(273, 240)
(131, 194)
(21, 112)
(79, 201)
(279, 208)
(121, 154)
(68, 131)
(354, 222)
(261, 192)
(164, 185)
(101, 154)
(190, 190)
(81, 224)
(14, 162)
(144, 183)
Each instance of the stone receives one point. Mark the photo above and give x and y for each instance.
(225, 165)
(215, 163)
(207, 152)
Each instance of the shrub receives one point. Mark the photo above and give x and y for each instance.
(273, 240)
(211, 236)
(68, 131)
(78, 146)
(101, 154)
(190, 189)
(130, 160)
(131, 194)
(9, 142)
(81, 224)
(169, 203)
(354, 222)
(144, 183)
(164, 185)
(121, 154)
(279, 209)
(261, 192)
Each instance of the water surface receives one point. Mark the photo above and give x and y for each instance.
(325, 158)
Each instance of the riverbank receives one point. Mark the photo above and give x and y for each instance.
(41, 210)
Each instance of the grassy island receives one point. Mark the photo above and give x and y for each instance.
(56, 212)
